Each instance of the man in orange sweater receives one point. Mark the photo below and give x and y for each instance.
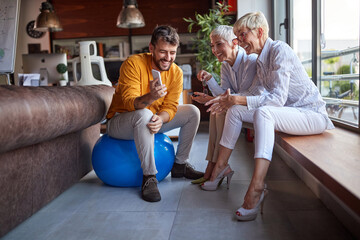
(141, 107)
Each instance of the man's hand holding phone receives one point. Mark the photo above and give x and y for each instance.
(156, 75)
(157, 89)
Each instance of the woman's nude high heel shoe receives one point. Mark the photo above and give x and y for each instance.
(213, 185)
(243, 214)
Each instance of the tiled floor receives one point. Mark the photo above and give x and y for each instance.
(92, 210)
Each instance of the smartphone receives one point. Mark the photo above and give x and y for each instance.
(156, 74)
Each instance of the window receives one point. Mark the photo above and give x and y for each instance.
(338, 45)
(302, 38)
(340, 59)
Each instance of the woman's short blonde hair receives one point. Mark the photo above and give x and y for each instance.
(225, 32)
(252, 20)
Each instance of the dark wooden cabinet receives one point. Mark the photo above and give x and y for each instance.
(94, 18)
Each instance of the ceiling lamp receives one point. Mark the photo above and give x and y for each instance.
(130, 16)
(47, 20)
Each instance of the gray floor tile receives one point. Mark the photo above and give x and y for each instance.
(74, 198)
(93, 210)
(115, 225)
(118, 199)
(39, 226)
(194, 198)
(215, 224)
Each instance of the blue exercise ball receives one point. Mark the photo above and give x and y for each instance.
(116, 161)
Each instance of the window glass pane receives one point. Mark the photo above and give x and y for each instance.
(340, 59)
(302, 32)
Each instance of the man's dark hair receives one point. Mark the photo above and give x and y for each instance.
(165, 33)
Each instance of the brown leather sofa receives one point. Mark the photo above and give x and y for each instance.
(46, 138)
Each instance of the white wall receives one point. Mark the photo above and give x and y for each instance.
(245, 6)
(29, 10)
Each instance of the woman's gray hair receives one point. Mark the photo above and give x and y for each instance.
(225, 32)
(252, 21)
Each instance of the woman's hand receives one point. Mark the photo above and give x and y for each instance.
(221, 103)
(201, 97)
(155, 124)
(204, 76)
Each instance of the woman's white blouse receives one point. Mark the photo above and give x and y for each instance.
(286, 82)
(239, 77)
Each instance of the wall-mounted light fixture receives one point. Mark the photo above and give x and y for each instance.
(47, 19)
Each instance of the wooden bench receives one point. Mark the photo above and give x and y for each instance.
(333, 158)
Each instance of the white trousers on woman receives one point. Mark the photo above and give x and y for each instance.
(266, 120)
(132, 126)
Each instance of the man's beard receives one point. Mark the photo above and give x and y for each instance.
(157, 64)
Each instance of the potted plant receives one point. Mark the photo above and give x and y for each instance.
(206, 23)
(62, 68)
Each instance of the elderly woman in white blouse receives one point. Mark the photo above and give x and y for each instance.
(291, 104)
(237, 74)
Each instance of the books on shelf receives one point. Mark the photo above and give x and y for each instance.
(113, 52)
(124, 50)
(100, 49)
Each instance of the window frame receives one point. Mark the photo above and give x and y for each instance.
(316, 51)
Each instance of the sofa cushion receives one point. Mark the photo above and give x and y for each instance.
(30, 115)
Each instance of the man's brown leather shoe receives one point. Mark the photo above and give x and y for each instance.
(185, 170)
(149, 189)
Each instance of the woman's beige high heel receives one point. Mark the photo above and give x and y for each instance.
(213, 185)
(243, 214)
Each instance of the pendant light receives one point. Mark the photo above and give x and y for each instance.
(130, 16)
(47, 19)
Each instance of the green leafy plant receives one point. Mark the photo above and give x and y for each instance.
(207, 23)
(332, 60)
(329, 64)
(345, 69)
(61, 68)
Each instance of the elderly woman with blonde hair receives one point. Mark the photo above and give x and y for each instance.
(291, 104)
(237, 74)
